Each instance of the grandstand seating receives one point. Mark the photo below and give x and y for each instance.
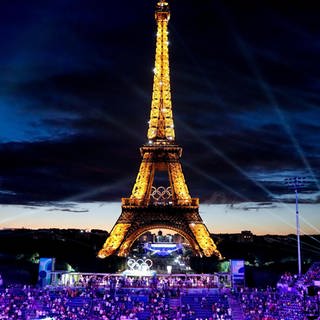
(145, 303)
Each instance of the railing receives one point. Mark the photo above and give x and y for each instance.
(192, 202)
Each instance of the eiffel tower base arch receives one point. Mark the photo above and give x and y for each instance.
(136, 220)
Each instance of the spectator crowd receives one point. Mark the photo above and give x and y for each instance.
(162, 298)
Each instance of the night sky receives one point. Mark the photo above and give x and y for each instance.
(75, 95)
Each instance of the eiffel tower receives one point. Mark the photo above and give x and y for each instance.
(151, 207)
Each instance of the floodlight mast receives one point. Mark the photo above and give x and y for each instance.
(297, 183)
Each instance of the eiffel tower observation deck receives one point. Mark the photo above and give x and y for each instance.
(151, 206)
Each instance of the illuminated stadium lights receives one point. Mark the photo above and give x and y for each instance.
(163, 245)
(297, 183)
(163, 249)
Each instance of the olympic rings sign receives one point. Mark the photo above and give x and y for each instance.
(161, 193)
(139, 264)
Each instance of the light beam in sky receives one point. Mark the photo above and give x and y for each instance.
(273, 102)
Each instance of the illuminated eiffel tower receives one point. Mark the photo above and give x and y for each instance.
(149, 206)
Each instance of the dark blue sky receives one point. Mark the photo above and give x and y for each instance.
(75, 93)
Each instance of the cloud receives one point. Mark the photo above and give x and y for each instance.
(68, 210)
(253, 206)
(75, 98)
(7, 192)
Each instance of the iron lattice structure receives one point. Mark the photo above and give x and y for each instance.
(151, 207)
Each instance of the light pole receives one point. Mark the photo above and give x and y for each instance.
(296, 183)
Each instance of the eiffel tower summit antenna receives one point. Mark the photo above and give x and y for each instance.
(150, 206)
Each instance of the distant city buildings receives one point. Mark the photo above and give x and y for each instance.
(245, 236)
